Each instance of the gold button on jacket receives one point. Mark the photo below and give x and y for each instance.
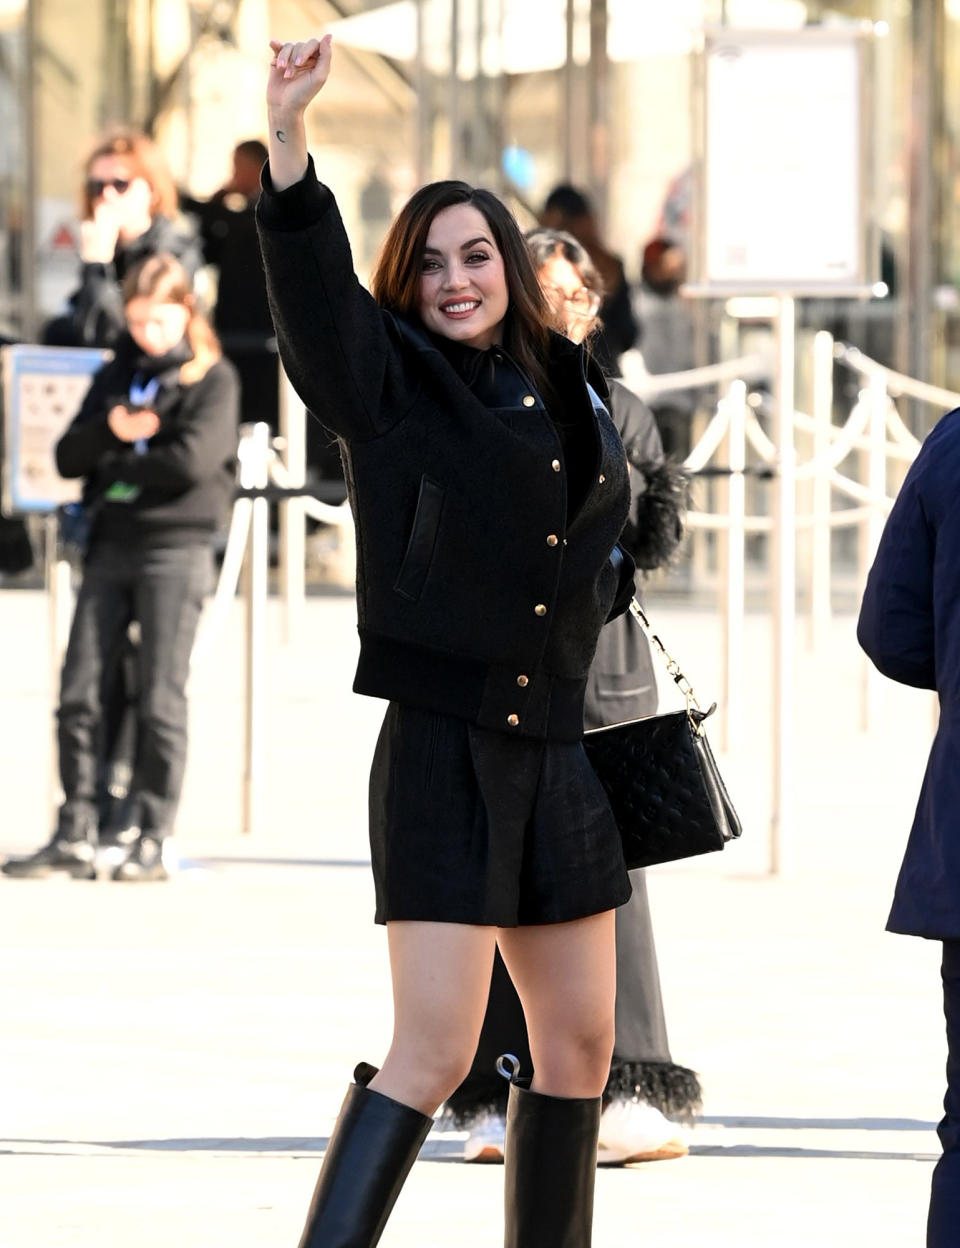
(540, 609)
(513, 720)
(523, 681)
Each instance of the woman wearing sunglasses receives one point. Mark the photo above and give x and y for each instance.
(128, 207)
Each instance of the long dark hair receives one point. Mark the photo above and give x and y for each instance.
(396, 280)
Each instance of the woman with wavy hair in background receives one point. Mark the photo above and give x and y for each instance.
(646, 1092)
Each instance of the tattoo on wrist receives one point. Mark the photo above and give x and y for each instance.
(280, 135)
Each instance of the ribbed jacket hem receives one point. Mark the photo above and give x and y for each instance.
(548, 708)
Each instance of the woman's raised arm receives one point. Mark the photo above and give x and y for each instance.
(297, 73)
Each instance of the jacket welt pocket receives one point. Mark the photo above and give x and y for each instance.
(423, 539)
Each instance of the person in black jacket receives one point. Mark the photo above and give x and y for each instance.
(489, 487)
(241, 315)
(645, 1088)
(568, 209)
(155, 440)
(128, 210)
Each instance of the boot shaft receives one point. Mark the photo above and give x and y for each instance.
(550, 1165)
(373, 1146)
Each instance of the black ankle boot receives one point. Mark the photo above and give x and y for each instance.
(550, 1161)
(65, 853)
(371, 1150)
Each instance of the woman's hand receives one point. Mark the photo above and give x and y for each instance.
(132, 426)
(297, 73)
(99, 235)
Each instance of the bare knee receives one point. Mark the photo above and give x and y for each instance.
(423, 1070)
(573, 1060)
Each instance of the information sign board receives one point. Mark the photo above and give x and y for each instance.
(43, 388)
(783, 185)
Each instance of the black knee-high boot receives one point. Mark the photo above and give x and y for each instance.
(550, 1162)
(371, 1150)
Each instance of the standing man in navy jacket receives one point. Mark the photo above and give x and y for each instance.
(910, 627)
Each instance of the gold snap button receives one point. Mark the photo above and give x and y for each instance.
(528, 400)
(513, 720)
(602, 478)
(552, 539)
(555, 465)
(523, 681)
(540, 609)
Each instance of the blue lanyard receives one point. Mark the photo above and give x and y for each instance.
(143, 394)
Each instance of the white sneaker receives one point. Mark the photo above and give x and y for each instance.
(484, 1142)
(635, 1131)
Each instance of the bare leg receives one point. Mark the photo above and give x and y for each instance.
(565, 974)
(441, 976)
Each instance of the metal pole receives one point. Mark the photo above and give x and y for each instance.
(876, 476)
(254, 455)
(568, 86)
(424, 105)
(735, 566)
(454, 89)
(31, 198)
(820, 605)
(293, 428)
(784, 593)
(599, 110)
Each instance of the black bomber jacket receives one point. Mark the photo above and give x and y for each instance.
(477, 594)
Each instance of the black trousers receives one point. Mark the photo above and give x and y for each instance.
(162, 590)
(943, 1225)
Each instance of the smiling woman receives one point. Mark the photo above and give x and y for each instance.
(482, 469)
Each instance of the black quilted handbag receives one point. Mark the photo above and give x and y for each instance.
(661, 778)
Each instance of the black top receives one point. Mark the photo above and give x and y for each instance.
(482, 580)
(177, 489)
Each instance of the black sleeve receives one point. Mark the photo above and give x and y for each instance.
(619, 325)
(204, 440)
(89, 439)
(339, 349)
(96, 307)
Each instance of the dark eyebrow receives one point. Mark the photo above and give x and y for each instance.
(433, 251)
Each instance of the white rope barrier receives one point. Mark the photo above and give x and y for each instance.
(711, 438)
(897, 383)
(646, 384)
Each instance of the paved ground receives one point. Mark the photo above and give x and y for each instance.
(172, 1056)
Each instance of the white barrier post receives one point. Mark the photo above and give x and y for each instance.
(254, 472)
(876, 482)
(784, 597)
(735, 568)
(293, 429)
(820, 604)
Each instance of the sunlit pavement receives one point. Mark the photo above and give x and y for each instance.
(172, 1056)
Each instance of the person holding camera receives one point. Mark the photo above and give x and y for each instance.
(155, 440)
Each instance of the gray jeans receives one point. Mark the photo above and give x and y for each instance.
(162, 590)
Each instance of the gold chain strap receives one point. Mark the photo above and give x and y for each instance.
(673, 667)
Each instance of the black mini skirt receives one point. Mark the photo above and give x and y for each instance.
(473, 826)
